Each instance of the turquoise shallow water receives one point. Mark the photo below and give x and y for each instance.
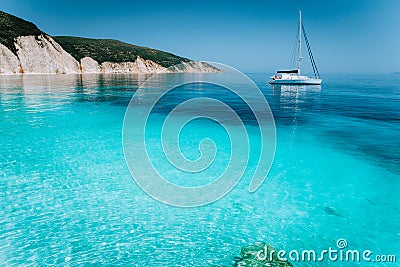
(68, 198)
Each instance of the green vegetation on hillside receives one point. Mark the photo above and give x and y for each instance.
(100, 50)
(103, 50)
(11, 27)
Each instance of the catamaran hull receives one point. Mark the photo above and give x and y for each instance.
(310, 81)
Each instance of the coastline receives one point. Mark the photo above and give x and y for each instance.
(102, 72)
(41, 54)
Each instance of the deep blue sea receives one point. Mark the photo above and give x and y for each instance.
(68, 199)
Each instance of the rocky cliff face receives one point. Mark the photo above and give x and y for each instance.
(147, 66)
(9, 63)
(193, 67)
(42, 54)
(89, 65)
(139, 66)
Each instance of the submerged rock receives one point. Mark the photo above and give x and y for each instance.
(260, 254)
(332, 211)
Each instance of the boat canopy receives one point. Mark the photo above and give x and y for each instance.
(287, 71)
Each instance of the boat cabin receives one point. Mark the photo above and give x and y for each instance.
(282, 74)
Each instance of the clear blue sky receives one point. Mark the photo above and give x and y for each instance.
(253, 36)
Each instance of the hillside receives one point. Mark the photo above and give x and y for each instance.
(103, 50)
(26, 49)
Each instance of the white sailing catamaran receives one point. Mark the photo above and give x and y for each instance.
(294, 76)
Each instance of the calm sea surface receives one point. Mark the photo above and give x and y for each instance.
(67, 197)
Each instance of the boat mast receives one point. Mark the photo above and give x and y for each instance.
(299, 37)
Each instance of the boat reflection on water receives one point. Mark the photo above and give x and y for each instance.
(294, 101)
(296, 91)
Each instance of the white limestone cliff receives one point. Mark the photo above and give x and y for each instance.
(89, 65)
(147, 66)
(194, 67)
(9, 63)
(139, 66)
(42, 54)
